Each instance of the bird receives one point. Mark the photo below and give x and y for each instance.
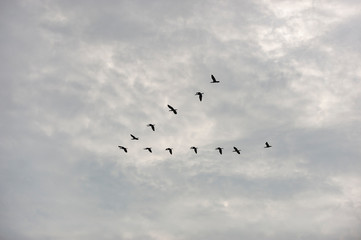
(123, 148)
(236, 150)
(149, 149)
(195, 149)
(200, 95)
(151, 126)
(214, 79)
(219, 149)
(134, 137)
(267, 145)
(170, 150)
(172, 109)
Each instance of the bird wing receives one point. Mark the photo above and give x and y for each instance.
(170, 107)
(123, 148)
(213, 78)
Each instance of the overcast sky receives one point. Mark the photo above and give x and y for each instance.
(78, 77)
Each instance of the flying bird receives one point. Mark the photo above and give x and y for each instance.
(267, 145)
(199, 95)
(123, 148)
(134, 137)
(236, 150)
(214, 79)
(152, 126)
(149, 149)
(195, 149)
(219, 149)
(170, 150)
(172, 109)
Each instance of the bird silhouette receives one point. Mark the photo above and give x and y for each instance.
(199, 95)
(267, 145)
(172, 109)
(134, 137)
(195, 149)
(152, 126)
(149, 149)
(236, 150)
(123, 148)
(214, 79)
(219, 149)
(170, 150)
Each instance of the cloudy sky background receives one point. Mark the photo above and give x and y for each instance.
(77, 77)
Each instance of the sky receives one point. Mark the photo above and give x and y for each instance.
(78, 77)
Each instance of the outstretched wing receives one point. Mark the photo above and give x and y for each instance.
(123, 148)
(194, 148)
(151, 126)
(219, 149)
(171, 108)
(236, 150)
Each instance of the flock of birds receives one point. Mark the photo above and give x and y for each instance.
(195, 149)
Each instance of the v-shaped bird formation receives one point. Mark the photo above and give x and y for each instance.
(193, 148)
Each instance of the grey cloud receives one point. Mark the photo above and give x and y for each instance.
(80, 77)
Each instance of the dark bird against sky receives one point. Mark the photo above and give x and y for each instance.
(152, 126)
(123, 148)
(134, 137)
(172, 109)
(200, 95)
(236, 150)
(195, 149)
(170, 150)
(267, 145)
(149, 149)
(219, 149)
(214, 80)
